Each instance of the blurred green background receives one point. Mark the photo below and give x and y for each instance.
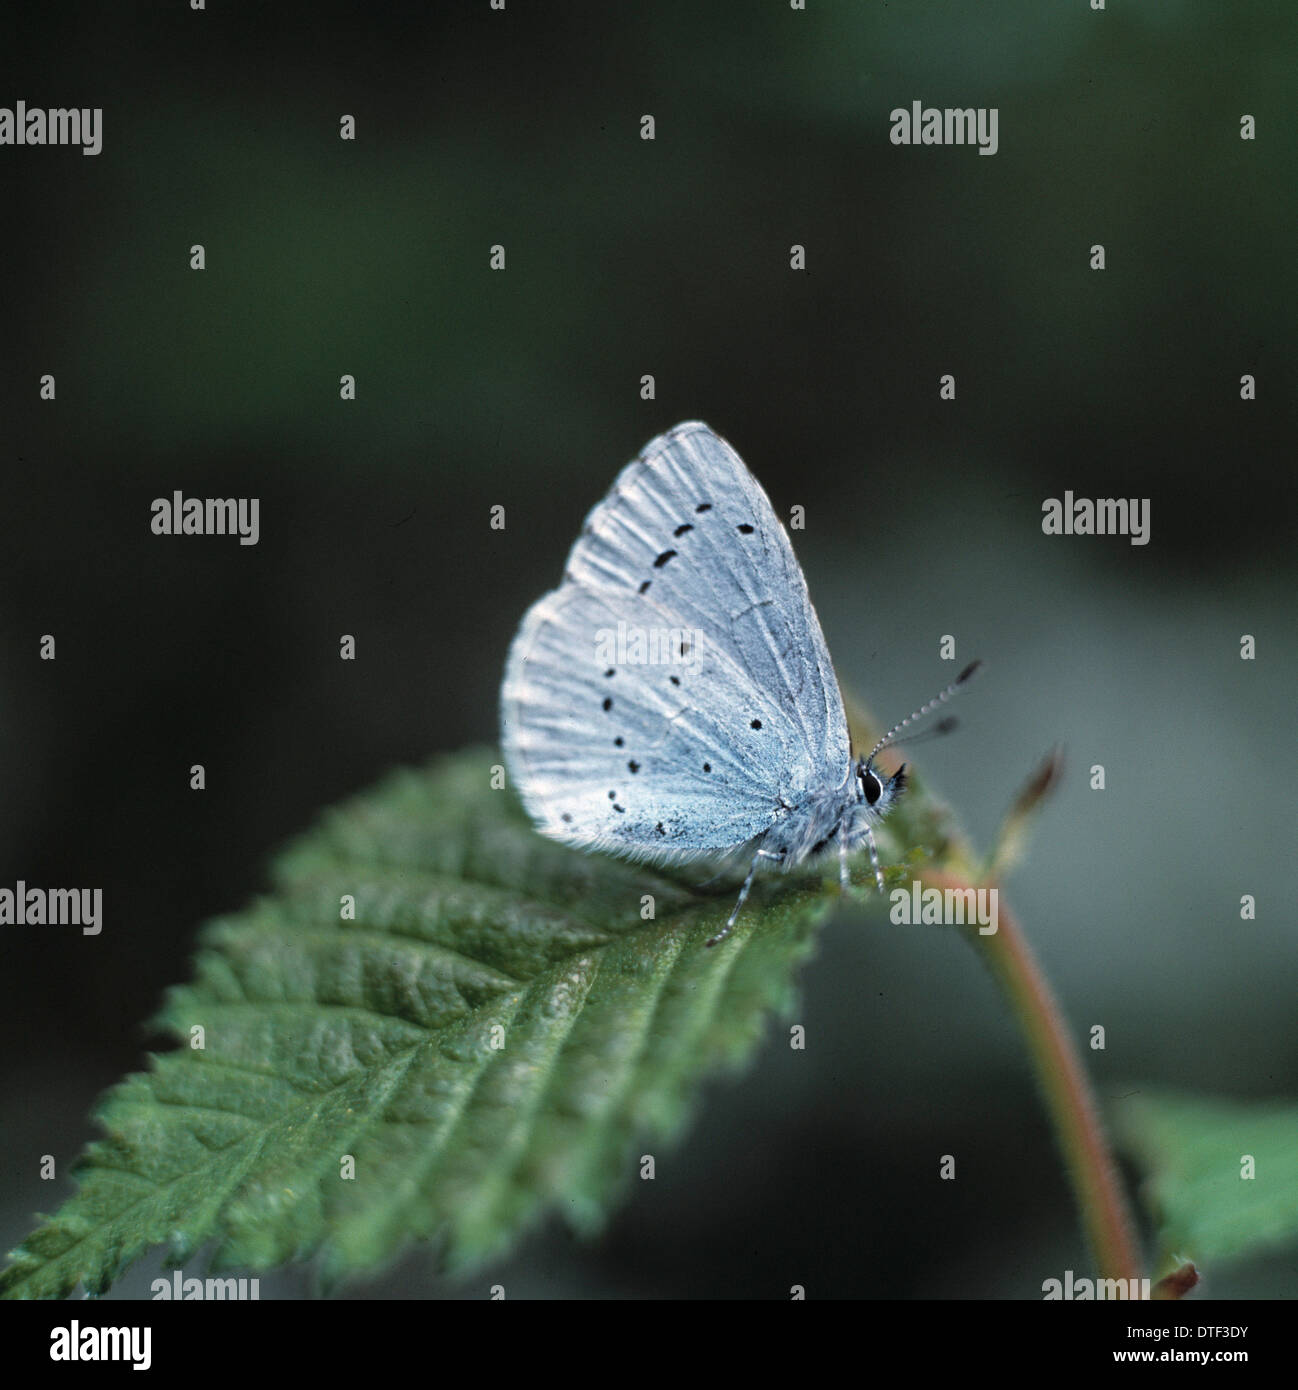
(627, 257)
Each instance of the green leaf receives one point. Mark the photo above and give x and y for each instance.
(373, 1038)
(1193, 1149)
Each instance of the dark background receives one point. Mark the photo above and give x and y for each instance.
(522, 388)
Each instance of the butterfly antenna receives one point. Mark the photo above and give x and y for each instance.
(939, 730)
(941, 699)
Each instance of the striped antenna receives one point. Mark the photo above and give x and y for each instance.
(891, 735)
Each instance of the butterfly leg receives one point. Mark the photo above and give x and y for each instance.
(743, 893)
(874, 858)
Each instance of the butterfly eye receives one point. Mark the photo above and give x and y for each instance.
(872, 787)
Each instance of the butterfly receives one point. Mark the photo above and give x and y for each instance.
(674, 697)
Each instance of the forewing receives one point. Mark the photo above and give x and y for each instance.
(688, 525)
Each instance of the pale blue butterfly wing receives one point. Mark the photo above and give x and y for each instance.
(671, 759)
(640, 762)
